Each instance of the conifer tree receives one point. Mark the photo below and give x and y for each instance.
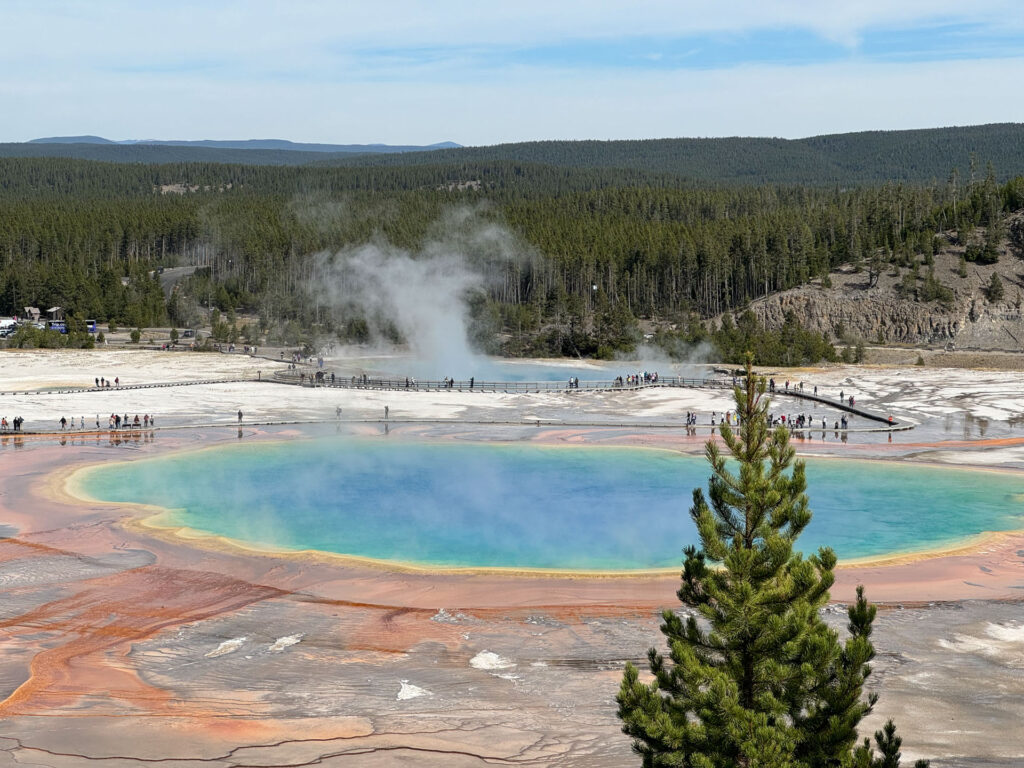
(754, 677)
(994, 290)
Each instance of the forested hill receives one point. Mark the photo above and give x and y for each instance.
(918, 156)
(162, 153)
(573, 259)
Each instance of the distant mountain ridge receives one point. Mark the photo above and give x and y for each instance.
(271, 144)
(71, 140)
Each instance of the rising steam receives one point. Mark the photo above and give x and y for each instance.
(423, 294)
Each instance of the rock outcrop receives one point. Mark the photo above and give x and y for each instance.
(881, 313)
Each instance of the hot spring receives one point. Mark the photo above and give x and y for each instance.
(529, 506)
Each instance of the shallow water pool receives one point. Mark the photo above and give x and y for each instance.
(530, 506)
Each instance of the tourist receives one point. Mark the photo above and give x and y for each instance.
(117, 381)
(239, 415)
(63, 422)
(386, 411)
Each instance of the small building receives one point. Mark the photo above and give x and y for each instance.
(55, 313)
(32, 313)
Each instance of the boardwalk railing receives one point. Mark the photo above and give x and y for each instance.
(308, 378)
(843, 406)
(123, 387)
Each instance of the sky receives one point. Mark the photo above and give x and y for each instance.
(478, 72)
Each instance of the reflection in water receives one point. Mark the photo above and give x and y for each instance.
(83, 439)
(970, 424)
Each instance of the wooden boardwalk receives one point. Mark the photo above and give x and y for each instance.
(300, 377)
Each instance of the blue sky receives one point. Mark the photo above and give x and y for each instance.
(482, 73)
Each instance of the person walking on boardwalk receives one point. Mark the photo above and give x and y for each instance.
(239, 415)
(387, 410)
(63, 422)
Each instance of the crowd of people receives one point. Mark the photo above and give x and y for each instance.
(800, 421)
(115, 422)
(636, 379)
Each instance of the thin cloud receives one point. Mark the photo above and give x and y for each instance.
(409, 72)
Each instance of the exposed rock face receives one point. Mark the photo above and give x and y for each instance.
(865, 317)
(880, 313)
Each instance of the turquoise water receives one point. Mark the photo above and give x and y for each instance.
(530, 506)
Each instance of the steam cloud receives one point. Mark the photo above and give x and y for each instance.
(423, 294)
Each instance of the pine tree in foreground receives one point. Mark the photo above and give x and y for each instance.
(754, 678)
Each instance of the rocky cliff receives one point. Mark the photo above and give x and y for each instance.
(851, 309)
